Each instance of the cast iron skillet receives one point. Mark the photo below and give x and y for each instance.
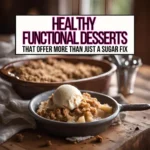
(81, 129)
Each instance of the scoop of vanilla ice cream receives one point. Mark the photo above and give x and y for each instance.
(67, 96)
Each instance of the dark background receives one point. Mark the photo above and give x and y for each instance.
(140, 8)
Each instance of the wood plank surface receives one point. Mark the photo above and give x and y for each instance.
(116, 137)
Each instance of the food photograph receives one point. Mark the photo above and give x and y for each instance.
(74, 101)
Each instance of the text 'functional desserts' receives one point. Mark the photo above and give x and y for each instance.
(68, 104)
(52, 70)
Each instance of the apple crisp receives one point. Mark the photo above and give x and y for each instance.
(89, 110)
(53, 70)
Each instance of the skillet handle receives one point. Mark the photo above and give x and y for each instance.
(134, 107)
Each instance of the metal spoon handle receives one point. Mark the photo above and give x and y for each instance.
(134, 107)
(116, 60)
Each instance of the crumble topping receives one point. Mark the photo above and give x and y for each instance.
(89, 110)
(52, 70)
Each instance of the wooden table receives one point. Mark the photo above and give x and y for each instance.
(122, 137)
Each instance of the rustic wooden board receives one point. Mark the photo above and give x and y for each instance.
(139, 142)
(116, 137)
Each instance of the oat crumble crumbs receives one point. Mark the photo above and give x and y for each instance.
(19, 137)
(48, 143)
